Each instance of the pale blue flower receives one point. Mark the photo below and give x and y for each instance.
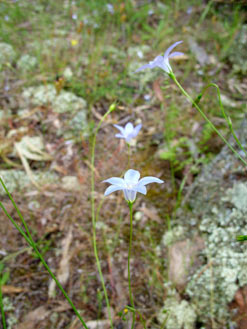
(110, 8)
(128, 132)
(162, 61)
(130, 184)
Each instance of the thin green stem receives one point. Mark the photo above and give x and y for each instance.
(129, 154)
(15, 224)
(205, 12)
(141, 318)
(60, 287)
(206, 118)
(2, 307)
(31, 242)
(129, 255)
(128, 163)
(112, 108)
(18, 212)
(228, 120)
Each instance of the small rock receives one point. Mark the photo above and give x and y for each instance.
(239, 304)
(182, 256)
(100, 324)
(71, 183)
(199, 53)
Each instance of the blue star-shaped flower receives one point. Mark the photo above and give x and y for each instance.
(162, 61)
(128, 132)
(130, 184)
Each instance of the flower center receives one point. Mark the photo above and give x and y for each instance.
(130, 186)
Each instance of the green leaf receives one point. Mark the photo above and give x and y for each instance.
(241, 237)
(5, 278)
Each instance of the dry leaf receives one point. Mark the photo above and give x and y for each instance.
(33, 317)
(32, 148)
(12, 290)
(26, 165)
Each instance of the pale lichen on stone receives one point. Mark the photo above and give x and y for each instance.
(27, 63)
(177, 314)
(18, 180)
(47, 95)
(173, 235)
(215, 284)
(218, 204)
(63, 103)
(238, 51)
(7, 53)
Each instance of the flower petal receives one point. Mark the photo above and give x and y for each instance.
(130, 195)
(112, 188)
(157, 61)
(168, 50)
(140, 188)
(128, 138)
(119, 136)
(132, 176)
(119, 128)
(175, 54)
(143, 67)
(148, 180)
(128, 128)
(115, 181)
(136, 130)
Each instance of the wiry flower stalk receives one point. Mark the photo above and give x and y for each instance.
(130, 185)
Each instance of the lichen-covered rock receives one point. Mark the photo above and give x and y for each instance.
(67, 73)
(177, 314)
(7, 53)
(238, 52)
(225, 268)
(72, 108)
(67, 101)
(218, 204)
(18, 180)
(173, 235)
(47, 95)
(27, 63)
